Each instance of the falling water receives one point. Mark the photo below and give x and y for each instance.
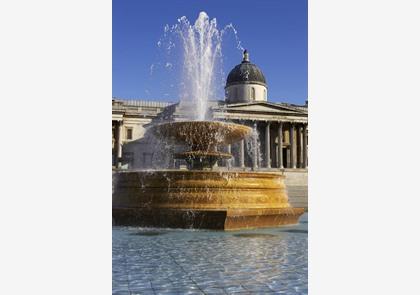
(253, 148)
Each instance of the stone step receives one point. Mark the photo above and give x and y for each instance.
(298, 190)
(298, 199)
(296, 203)
(299, 204)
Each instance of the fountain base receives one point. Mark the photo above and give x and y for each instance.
(217, 219)
(219, 200)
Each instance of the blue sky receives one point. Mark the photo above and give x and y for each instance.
(275, 32)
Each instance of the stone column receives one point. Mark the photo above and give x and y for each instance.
(242, 153)
(255, 149)
(305, 147)
(119, 143)
(292, 146)
(280, 145)
(114, 144)
(299, 146)
(267, 146)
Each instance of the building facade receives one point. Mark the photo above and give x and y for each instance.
(282, 129)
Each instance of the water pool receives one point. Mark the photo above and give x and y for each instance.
(172, 261)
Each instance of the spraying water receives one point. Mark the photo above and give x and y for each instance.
(200, 62)
(202, 55)
(192, 54)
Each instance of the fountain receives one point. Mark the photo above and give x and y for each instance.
(201, 196)
(202, 137)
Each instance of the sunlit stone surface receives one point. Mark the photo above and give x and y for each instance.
(170, 261)
(202, 135)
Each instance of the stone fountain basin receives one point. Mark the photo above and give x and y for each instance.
(208, 154)
(201, 135)
(223, 200)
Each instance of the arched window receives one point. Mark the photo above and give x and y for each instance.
(253, 93)
(265, 94)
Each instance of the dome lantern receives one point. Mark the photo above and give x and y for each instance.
(246, 56)
(246, 82)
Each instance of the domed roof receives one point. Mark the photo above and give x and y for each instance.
(245, 73)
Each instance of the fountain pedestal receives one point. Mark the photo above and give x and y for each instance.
(217, 219)
(203, 199)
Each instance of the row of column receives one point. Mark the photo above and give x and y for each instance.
(301, 146)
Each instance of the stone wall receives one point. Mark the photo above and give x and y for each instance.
(297, 187)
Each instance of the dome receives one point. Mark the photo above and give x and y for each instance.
(246, 73)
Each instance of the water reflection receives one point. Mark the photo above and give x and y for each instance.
(210, 262)
(254, 235)
(147, 233)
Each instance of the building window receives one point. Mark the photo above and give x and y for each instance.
(236, 93)
(129, 133)
(265, 94)
(253, 93)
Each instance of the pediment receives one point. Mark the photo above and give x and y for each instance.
(263, 107)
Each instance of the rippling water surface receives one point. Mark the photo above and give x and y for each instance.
(171, 261)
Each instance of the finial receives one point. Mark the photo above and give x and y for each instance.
(246, 56)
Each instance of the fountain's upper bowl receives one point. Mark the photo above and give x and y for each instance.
(202, 134)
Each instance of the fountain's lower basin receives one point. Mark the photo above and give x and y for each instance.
(223, 200)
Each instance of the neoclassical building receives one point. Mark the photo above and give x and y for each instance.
(282, 129)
